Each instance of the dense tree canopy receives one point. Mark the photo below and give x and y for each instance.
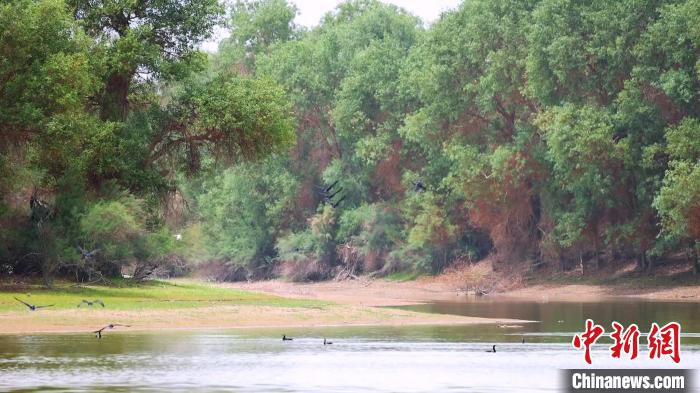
(543, 132)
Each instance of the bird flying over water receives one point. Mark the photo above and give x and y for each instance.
(31, 306)
(98, 333)
(90, 303)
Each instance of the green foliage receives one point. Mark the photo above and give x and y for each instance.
(48, 71)
(583, 51)
(678, 201)
(243, 209)
(373, 229)
(258, 24)
(533, 130)
(117, 229)
(159, 38)
(308, 255)
(668, 54)
(230, 117)
(585, 163)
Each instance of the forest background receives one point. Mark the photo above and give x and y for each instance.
(553, 133)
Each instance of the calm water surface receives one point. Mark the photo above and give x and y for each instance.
(375, 359)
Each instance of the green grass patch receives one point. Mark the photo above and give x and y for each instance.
(148, 295)
(403, 276)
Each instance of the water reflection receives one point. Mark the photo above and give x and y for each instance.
(558, 321)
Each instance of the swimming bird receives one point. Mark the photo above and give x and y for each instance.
(33, 307)
(98, 333)
(285, 338)
(523, 340)
(327, 342)
(90, 303)
(492, 350)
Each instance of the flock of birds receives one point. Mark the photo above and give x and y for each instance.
(327, 194)
(98, 333)
(326, 342)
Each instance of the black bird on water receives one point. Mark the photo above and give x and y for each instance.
(90, 303)
(325, 342)
(98, 333)
(33, 307)
(492, 350)
(285, 338)
(523, 340)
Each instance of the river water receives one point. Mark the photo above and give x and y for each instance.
(367, 359)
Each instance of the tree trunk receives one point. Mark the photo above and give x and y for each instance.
(47, 271)
(596, 251)
(696, 263)
(642, 261)
(115, 99)
(535, 231)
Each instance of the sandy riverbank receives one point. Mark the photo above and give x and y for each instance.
(354, 303)
(386, 293)
(224, 317)
(178, 309)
